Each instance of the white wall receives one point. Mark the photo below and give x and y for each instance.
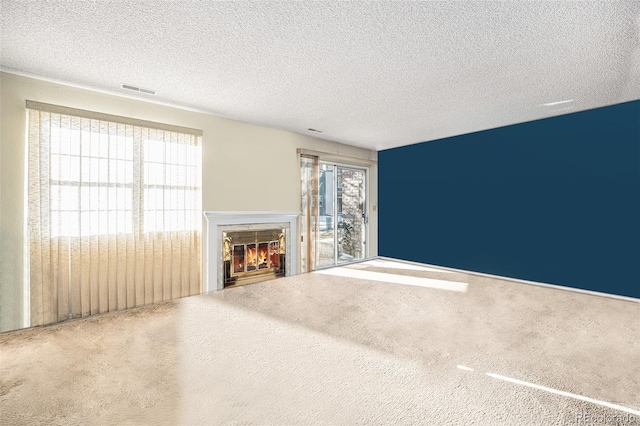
(227, 144)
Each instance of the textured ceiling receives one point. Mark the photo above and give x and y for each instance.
(378, 75)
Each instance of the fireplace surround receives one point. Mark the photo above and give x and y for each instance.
(222, 225)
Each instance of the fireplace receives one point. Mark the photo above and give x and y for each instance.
(247, 247)
(252, 256)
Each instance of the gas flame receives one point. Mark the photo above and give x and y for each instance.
(263, 257)
(251, 255)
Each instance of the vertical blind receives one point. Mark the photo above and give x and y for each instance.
(114, 212)
(309, 250)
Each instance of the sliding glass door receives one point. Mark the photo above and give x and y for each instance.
(334, 214)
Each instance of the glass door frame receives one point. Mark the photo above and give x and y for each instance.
(365, 213)
(339, 165)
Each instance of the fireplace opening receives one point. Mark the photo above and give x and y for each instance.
(253, 256)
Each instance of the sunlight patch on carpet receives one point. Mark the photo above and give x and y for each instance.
(379, 263)
(567, 394)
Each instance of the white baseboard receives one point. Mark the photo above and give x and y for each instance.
(554, 286)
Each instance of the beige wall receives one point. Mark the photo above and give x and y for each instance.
(227, 144)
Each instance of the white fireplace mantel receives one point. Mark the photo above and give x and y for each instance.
(218, 221)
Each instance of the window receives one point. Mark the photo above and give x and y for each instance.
(170, 187)
(114, 212)
(92, 169)
(91, 177)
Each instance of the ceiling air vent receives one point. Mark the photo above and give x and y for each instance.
(138, 89)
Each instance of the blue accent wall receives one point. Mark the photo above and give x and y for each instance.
(554, 201)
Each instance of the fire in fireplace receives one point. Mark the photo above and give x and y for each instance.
(253, 256)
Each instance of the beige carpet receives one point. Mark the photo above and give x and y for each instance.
(321, 349)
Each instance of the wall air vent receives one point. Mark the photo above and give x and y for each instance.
(138, 89)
